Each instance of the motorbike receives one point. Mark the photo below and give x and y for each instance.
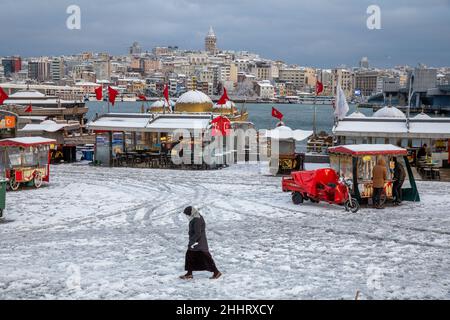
(321, 185)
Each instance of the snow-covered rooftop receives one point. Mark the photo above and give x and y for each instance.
(27, 94)
(173, 123)
(150, 123)
(285, 133)
(47, 125)
(418, 128)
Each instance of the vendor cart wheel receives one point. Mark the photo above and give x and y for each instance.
(297, 198)
(37, 180)
(13, 184)
(352, 205)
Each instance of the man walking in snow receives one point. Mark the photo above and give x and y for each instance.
(198, 257)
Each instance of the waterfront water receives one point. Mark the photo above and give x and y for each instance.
(296, 116)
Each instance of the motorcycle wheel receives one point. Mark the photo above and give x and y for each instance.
(13, 184)
(352, 205)
(297, 198)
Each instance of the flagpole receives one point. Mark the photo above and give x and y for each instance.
(314, 115)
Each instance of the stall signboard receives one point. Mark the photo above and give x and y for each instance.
(7, 122)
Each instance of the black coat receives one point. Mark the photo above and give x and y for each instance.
(197, 234)
(399, 173)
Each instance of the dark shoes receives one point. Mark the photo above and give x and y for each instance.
(187, 277)
(216, 275)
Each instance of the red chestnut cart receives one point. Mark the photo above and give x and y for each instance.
(26, 160)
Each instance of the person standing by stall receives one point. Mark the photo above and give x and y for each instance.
(198, 257)
(379, 174)
(399, 179)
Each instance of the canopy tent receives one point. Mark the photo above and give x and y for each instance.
(149, 122)
(26, 142)
(369, 149)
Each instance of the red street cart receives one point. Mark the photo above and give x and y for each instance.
(26, 160)
(356, 162)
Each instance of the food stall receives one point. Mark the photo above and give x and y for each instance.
(282, 149)
(25, 160)
(356, 162)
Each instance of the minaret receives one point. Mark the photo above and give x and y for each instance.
(211, 41)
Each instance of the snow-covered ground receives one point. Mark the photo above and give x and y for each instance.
(120, 233)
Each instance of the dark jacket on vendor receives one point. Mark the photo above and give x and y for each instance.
(197, 233)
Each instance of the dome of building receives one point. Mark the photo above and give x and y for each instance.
(357, 114)
(422, 115)
(194, 101)
(389, 112)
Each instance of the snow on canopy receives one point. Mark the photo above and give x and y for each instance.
(194, 96)
(26, 141)
(47, 125)
(373, 149)
(285, 133)
(389, 112)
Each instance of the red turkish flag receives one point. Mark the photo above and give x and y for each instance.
(3, 96)
(29, 109)
(277, 114)
(166, 93)
(224, 98)
(99, 93)
(112, 93)
(319, 87)
(221, 126)
(142, 97)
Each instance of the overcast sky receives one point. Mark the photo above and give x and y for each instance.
(320, 33)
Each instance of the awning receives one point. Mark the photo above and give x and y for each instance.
(47, 126)
(368, 149)
(26, 142)
(117, 123)
(168, 124)
(430, 128)
(149, 122)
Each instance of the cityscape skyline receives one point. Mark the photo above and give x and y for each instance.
(321, 34)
